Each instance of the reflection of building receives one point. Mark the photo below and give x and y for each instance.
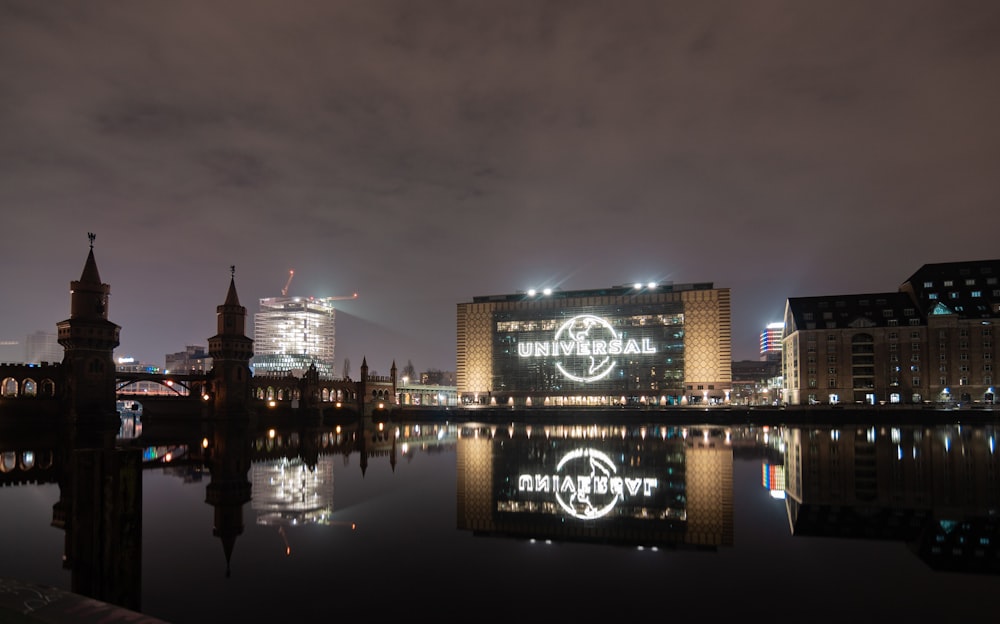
(932, 341)
(653, 344)
(290, 333)
(665, 486)
(287, 492)
(773, 479)
(933, 487)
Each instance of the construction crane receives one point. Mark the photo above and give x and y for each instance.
(339, 298)
(284, 291)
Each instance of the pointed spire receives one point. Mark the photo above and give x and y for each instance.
(90, 274)
(232, 299)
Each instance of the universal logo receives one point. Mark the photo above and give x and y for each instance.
(585, 346)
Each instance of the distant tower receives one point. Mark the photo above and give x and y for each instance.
(89, 339)
(231, 351)
(770, 342)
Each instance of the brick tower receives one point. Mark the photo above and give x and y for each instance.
(89, 339)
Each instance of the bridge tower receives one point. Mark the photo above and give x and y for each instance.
(89, 339)
(231, 351)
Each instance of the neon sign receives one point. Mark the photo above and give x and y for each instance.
(586, 344)
(586, 484)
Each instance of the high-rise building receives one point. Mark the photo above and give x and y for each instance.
(770, 342)
(42, 347)
(292, 333)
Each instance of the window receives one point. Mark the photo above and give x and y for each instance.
(916, 382)
(928, 284)
(892, 346)
(831, 359)
(914, 346)
(831, 383)
(887, 313)
(832, 370)
(893, 322)
(831, 337)
(915, 321)
(970, 282)
(932, 296)
(948, 283)
(977, 293)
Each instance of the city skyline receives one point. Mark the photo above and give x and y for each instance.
(424, 154)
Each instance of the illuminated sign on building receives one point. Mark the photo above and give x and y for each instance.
(586, 484)
(585, 344)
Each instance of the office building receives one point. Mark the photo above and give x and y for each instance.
(770, 342)
(193, 360)
(662, 344)
(931, 341)
(292, 333)
(42, 347)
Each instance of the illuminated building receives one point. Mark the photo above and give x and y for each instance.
(290, 333)
(929, 342)
(655, 344)
(770, 342)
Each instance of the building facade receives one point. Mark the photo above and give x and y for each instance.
(657, 344)
(292, 333)
(929, 342)
(770, 342)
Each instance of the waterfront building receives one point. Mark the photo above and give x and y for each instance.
(931, 341)
(649, 344)
(292, 333)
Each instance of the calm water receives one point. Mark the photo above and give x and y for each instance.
(463, 521)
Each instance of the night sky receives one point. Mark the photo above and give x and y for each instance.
(421, 153)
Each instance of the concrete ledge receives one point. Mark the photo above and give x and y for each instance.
(28, 603)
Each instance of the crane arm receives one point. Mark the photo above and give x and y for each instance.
(284, 291)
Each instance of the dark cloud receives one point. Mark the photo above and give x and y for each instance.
(421, 153)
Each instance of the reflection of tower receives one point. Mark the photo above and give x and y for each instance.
(100, 509)
(231, 351)
(89, 340)
(229, 489)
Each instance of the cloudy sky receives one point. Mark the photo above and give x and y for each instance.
(423, 153)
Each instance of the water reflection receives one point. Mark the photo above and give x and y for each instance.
(655, 485)
(649, 486)
(935, 488)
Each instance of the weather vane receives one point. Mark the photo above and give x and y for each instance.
(91, 236)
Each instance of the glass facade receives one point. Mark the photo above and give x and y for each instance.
(620, 351)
